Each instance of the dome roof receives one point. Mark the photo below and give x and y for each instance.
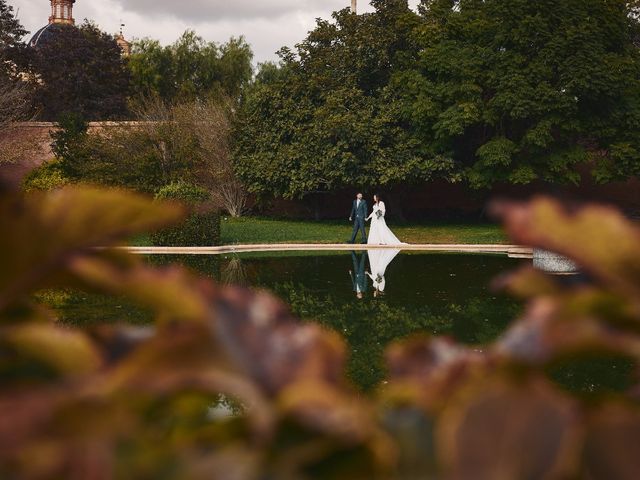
(47, 34)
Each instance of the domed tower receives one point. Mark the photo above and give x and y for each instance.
(125, 46)
(62, 12)
(61, 16)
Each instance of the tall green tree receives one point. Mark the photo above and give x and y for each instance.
(325, 117)
(15, 93)
(11, 31)
(490, 92)
(81, 71)
(518, 91)
(190, 69)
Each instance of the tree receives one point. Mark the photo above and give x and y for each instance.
(15, 92)
(11, 31)
(70, 145)
(190, 69)
(516, 91)
(188, 142)
(81, 71)
(326, 119)
(15, 101)
(490, 92)
(196, 137)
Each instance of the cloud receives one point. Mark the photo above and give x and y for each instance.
(216, 10)
(267, 25)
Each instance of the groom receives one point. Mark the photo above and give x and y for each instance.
(358, 215)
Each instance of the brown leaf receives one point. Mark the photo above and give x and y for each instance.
(428, 371)
(527, 283)
(612, 446)
(550, 329)
(173, 292)
(328, 411)
(598, 238)
(501, 431)
(41, 233)
(67, 351)
(184, 357)
(271, 346)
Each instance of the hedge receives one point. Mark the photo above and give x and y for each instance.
(200, 229)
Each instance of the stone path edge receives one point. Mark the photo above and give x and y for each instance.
(515, 251)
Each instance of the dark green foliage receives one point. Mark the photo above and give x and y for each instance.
(16, 94)
(139, 158)
(516, 91)
(81, 71)
(70, 145)
(190, 68)
(202, 226)
(130, 157)
(490, 92)
(47, 176)
(11, 33)
(325, 119)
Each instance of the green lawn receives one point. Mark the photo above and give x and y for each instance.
(251, 230)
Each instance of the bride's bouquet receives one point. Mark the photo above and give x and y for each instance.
(378, 214)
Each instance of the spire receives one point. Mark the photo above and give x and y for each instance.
(125, 46)
(354, 6)
(62, 12)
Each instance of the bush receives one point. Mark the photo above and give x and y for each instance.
(47, 176)
(200, 229)
(153, 402)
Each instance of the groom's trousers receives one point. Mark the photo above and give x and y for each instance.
(358, 225)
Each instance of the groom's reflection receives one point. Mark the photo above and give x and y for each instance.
(358, 274)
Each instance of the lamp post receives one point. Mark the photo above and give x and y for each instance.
(354, 6)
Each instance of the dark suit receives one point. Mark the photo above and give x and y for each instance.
(358, 275)
(358, 214)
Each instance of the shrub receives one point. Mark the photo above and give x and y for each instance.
(47, 176)
(200, 229)
(143, 401)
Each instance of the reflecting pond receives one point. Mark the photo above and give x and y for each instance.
(371, 299)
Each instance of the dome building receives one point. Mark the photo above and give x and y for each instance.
(125, 46)
(61, 17)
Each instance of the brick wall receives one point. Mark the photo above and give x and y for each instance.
(27, 145)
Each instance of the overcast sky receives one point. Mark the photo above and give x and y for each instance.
(267, 24)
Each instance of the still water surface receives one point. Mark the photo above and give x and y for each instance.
(370, 299)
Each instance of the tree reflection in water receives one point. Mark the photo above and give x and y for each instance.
(424, 294)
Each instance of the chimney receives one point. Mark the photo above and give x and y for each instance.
(354, 6)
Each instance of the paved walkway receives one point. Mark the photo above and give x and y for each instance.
(514, 251)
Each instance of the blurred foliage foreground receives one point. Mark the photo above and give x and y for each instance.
(124, 402)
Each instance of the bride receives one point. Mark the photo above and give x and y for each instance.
(379, 233)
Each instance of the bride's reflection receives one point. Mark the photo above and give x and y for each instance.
(379, 260)
(358, 276)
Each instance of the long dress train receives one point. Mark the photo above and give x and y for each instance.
(379, 232)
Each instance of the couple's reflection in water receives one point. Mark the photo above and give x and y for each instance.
(378, 261)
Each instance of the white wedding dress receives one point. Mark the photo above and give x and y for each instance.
(379, 233)
(379, 260)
